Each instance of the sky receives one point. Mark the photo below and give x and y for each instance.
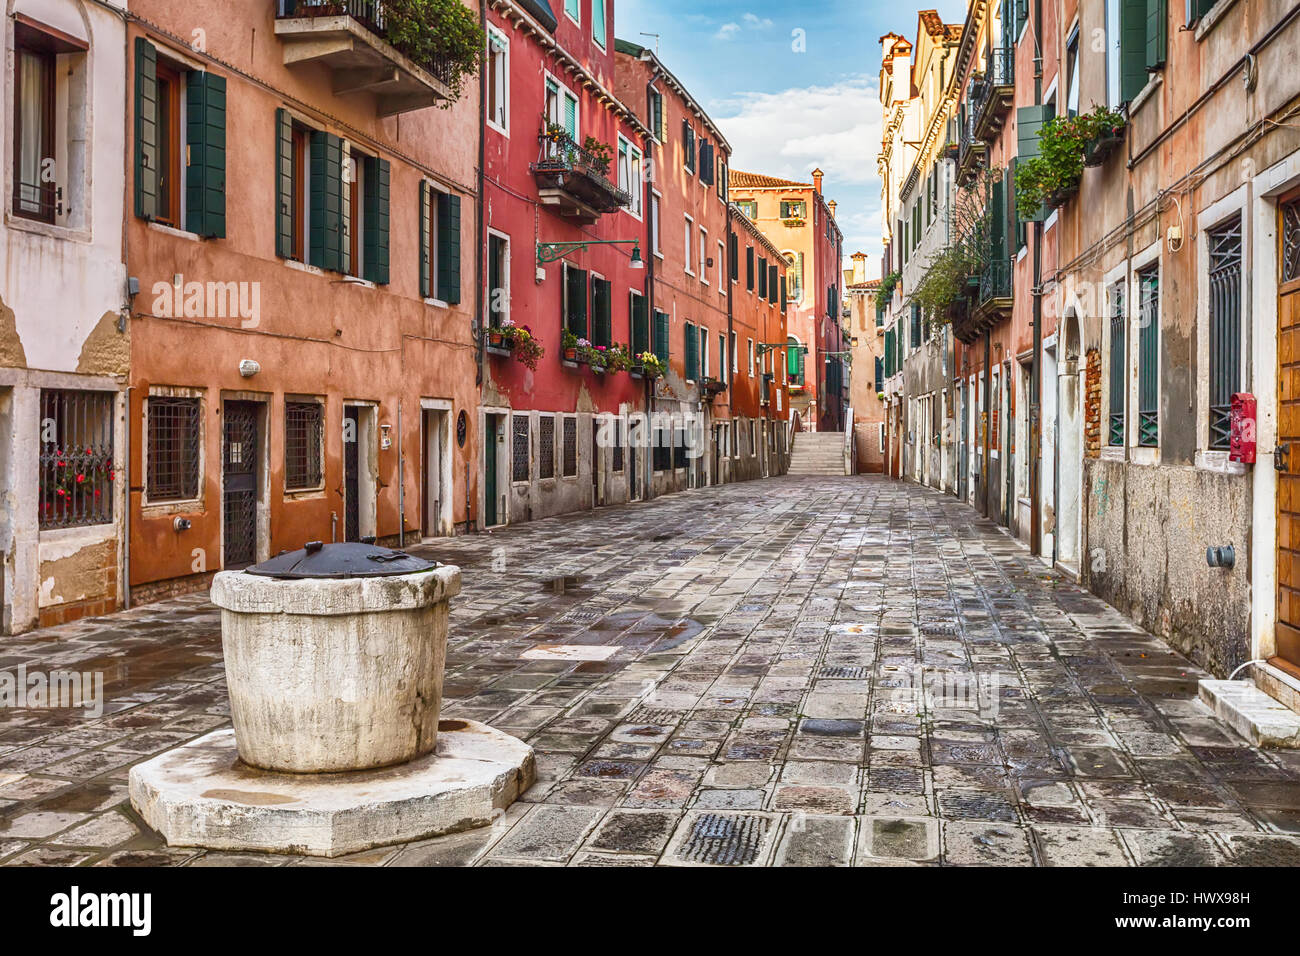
(786, 110)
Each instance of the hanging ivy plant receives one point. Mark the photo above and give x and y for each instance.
(1053, 175)
(944, 284)
(887, 286)
(441, 35)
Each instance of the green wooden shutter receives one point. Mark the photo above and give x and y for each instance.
(749, 268)
(772, 292)
(784, 301)
(692, 352)
(284, 173)
(1157, 25)
(733, 256)
(146, 129)
(1132, 48)
(998, 220)
(326, 245)
(205, 134)
(640, 326)
(601, 313)
(575, 301)
(449, 248)
(1029, 122)
(375, 225)
(571, 116)
(426, 196)
(762, 277)
(661, 336)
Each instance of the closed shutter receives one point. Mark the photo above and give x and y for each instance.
(998, 220)
(1157, 21)
(692, 353)
(749, 268)
(688, 145)
(205, 134)
(1029, 122)
(783, 296)
(146, 129)
(661, 336)
(375, 225)
(449, 248)
(880, 374)
(326, 245)
(772, 292)
(1132, 48)
(762, 277)
(803, 364)
(733, 254)
(706, 162)
(284, 211)
(426, 257)
(640, 326)
(575, 301)
(601, 313)
(571, 116)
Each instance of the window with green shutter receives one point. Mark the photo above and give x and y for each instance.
(762, 277)
(448, 251)
(783, 296)
(374, 235)
(1118, 381)
(1156, 38)
(706, 162)
(655, 113)
(640, 325)
(773, 293)
(326, 201)
(661, 336)
(1133, 17)
(1197, 9)
(146, 129)
(285, 214)
(598, 29)
(601, 312)
(1149, 356)
(426, 240)
(749, 268)
(575, 300)
(688, 145)
(733, 257)
(205, 185)
(692, 342)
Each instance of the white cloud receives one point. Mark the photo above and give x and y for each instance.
(791, 132)
(756, 23)
(727, 31)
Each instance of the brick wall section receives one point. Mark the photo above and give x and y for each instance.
(1092, 405)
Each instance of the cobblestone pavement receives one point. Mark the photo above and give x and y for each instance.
(743, 693)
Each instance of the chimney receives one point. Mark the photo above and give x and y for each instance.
(902, 76)
(817, 180)
(859, 267)
(833, 205)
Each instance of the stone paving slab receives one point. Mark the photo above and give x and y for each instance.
(810, 671)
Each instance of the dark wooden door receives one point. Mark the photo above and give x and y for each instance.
(490, 517)
(1286, 458)
(240, 467)
(351, 474)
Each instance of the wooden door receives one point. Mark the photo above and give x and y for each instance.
(1286, 458)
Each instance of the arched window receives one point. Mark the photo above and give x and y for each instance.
(794, 275)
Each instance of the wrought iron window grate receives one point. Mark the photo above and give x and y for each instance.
(1291, 241)
(76, 458)
(570, 447)
(1149, 357)
(303, 430)
(173, 473)
(519, 448)
(1225, 328)
(546, 447)
(1115, 434)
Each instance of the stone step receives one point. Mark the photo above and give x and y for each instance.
(1252, 713)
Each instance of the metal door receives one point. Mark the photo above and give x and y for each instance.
(351, 474)
(239, 471)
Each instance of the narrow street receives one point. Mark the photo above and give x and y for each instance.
(710, 682)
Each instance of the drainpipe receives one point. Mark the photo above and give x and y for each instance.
(987, 508)
(401, 481)
(480, 334)
(651, 268)
(1036, 375)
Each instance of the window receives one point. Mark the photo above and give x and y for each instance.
(575, 300)
(546, 447)
(1225, 327)
(661, 336)
(498, 72)
(173, 449)
(561, 109)
(617, 464)
(724, 179)
(573, 10)
(498, 250)
(731, 348)
(640, 324)
(707, 163)
(1138, 44)
(303, 433)
(598, 28)
(724, 372)
(181, 120)
(751, 358)
(915, 336)
(76, 458)
(1112, 54)
(629, 174)
(522, 434)
(1118, 381)
(704, 352)
(688, 146)
(655, 114)
(794, 275)
(748, 206)
(1148, 281)
(793, 209)
(704, 255)
(762, 277)
(749, 268)
(570, 458)
(440, 245)
(1072, 73)
(688, 259)
(40, 164)
(795, 361)
(656, 242)
(601, 312)
(691, 341)
(722, 258)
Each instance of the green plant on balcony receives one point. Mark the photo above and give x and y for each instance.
(523, 345)
(887, 286)
(437, 31)
(602, 154)
(945, 281)
(1052, 176)
(1105, 131)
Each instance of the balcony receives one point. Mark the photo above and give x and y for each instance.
(574, 180)
(971, 151)
(350, 38)
(995, 94)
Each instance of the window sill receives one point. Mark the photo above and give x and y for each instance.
(1211, 18)
(166, 509)
(1112, 453)
(1218, 463)
(437, 303)
(500, 129)
(49, 230)
(299, 266)
(101, 531)
(174, 232)
(296, 494)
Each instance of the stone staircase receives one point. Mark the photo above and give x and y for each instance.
(817, 453)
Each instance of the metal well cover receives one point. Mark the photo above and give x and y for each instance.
(342, 560)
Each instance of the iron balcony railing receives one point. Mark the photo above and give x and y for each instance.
(994, 86)
(559, 153)
(995, 280)
(370, 14)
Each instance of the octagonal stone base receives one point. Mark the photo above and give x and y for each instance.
(201, 794)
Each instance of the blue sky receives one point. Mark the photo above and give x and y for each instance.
(786, 112)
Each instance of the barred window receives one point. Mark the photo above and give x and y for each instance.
(679, 448)
(546, 447)
(173, 472)
(570, 447)
(618, 445)
(1149, 357)
(76, 458)
(519, 448)
(662, 450)
(303, 430)
(1118, 381)
(1225, 328)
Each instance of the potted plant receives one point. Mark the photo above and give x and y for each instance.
(569, 345)
(649, 365)
(602, 155)
(439, 35)
(524, 346)
(1105, 131)
(1052, 176)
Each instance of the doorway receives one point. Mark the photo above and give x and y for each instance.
(1050, 454)
(491, 434)
(240, 467)
(436, 483)
(360, 471)
(1069, 461)
(1286, 458)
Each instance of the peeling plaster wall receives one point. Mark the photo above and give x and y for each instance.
(1147, 531)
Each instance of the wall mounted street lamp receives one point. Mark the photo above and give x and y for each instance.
(554, 251)
(762, 347)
